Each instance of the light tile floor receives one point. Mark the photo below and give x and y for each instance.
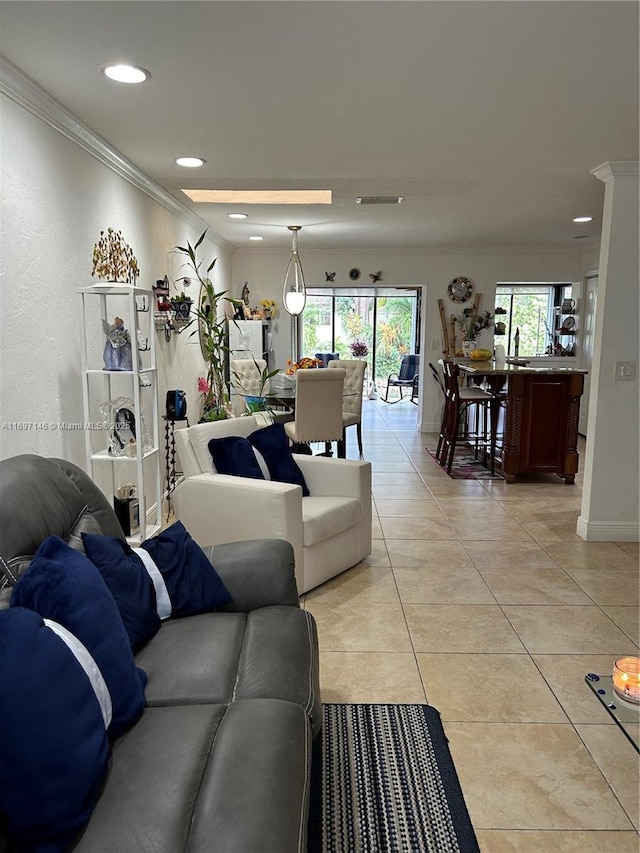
(480, 599)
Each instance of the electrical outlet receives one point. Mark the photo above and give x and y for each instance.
(435, 343)
(625, 371)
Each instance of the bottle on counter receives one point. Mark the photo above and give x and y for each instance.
(516, 342)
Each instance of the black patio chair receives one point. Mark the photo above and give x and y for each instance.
(406, 377)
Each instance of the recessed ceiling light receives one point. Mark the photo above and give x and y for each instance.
(260, 196)
(238, 215)
(583, 218)
(190, 162)
(126, 73)
(256, 237)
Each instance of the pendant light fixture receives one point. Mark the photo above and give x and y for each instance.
(294, 294)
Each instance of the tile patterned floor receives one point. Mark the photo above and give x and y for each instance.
(480, 599)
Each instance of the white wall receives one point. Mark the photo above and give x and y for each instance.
(264, 271)
(56, 198)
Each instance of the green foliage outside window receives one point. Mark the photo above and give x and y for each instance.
(529, 308)
(354, 320)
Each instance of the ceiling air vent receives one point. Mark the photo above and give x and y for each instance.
(379, 199)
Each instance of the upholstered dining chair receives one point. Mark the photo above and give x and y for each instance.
(352, 395)
(318, 412)
(245, 381)
(406, 377)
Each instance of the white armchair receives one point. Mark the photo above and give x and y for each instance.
(330, 530)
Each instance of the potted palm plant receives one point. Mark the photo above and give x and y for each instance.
(212, 331)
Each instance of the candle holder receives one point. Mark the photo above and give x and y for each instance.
(626, 679)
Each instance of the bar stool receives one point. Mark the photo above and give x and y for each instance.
(458, 402)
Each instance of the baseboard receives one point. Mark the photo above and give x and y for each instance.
(608, 531)
(429, 426)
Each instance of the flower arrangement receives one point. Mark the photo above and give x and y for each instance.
(471, 323)
(359, 349)
(268, 304)
(302, 364)
(113, 258)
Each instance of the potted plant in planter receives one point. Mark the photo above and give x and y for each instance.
(471, 323)
(181, 304)
(212, 331)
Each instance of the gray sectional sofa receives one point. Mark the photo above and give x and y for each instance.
(220, 759)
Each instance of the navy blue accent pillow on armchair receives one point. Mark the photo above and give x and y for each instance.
(273, 444)
(234, 455)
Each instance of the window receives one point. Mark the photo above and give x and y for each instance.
(386, 320)
(529, 309)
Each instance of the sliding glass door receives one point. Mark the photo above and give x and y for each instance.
(385, 320)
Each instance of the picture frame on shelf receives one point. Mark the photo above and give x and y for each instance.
(120, 418)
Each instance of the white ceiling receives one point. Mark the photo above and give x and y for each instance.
(486, 116)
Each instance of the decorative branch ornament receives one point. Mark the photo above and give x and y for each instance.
(113, 258)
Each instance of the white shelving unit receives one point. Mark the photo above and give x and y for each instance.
(101, 303)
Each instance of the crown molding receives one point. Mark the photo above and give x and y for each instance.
(616, 169)
(25, 92)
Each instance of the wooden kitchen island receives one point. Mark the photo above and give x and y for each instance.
(539, 420)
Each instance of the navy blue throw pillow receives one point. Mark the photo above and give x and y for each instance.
(234, 455)
(54, 748)
(193, 584)
(129, 583)
(273, 444)
(63, 584)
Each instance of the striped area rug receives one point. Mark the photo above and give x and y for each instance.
(383, 781)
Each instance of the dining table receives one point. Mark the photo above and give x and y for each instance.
(541, 411)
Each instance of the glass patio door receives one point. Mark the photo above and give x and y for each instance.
(385, 320)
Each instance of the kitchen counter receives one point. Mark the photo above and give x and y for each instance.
(486, 368)
(541, 406)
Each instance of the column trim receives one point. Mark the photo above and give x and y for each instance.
(616, 169)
